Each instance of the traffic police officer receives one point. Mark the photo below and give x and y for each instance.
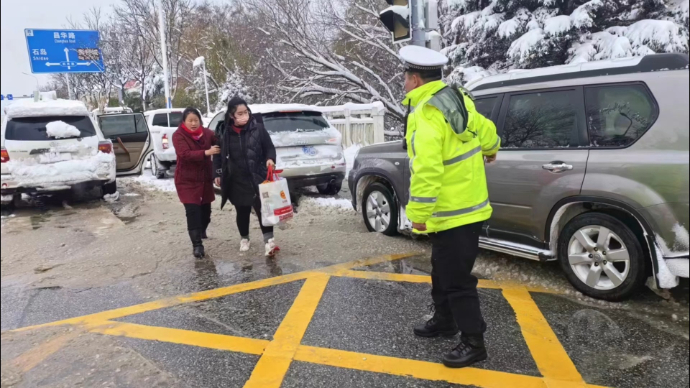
(448, 142)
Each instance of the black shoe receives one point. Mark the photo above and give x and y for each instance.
(437, 326)
(470, 351)
(199, 252)
(195, 236)
(203, 235)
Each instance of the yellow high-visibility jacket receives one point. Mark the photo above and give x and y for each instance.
(446, 141)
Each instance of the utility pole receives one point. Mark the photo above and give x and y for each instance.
(416, 18)
(164, 52)
(201, 61)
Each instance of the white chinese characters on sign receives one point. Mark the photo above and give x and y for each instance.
(71, 35)
(88, 54)
(56, 35)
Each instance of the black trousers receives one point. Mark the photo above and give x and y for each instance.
(454, 288)
(243, 215)
(198, 216)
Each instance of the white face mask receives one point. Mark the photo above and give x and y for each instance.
(240, 121)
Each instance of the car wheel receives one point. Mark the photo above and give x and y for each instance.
(380, 210)
(110, 188)
(330, 188)
(601, 257)
(156, 168)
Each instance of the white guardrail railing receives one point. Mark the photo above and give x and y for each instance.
(358, 123)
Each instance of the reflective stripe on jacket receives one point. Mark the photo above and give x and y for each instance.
(446, 141)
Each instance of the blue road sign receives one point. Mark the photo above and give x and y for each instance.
(64, 51)
(10, 97)
(2, 97)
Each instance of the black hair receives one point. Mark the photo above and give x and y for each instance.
(427, 75)
(234, 103)
(193, 111)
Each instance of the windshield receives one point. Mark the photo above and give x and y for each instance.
(34, 128)
(294, 122)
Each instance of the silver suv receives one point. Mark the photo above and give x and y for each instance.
(593, 172)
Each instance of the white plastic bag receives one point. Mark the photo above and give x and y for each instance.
(276, 207)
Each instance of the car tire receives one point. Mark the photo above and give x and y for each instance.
(380, 208)
(330, 188)
(110, 188)
(156, 168)
(602, 257)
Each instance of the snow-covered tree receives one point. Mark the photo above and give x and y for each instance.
(488, 36)
(333, 51)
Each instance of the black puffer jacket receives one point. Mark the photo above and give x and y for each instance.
(241, 165)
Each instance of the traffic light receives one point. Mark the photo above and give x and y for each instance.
(397, 19)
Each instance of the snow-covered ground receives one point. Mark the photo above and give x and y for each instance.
(339, 203)
(150, 182)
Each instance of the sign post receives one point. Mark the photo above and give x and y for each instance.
(64, 51)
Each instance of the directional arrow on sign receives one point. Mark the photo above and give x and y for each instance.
(67, 56)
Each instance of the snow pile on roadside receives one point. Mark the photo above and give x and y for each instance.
(29, 108)
(61, 130)
(150, 182)
(332, 202)
(31, 173)
(112, 198)
(350, 156)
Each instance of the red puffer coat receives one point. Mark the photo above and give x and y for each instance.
(194, 171)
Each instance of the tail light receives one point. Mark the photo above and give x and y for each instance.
(5, 156)
(105, 147)
(165, 142)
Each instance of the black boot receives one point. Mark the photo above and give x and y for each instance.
(195, 236)
(438, 325)
(470, 350)
(203, 234)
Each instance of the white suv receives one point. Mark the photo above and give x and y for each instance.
(309, 150)
(54, 145)
(163, 123)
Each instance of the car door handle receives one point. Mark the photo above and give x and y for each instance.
(557, 167)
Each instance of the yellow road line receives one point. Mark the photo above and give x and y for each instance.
(35, 356)
(416, 369)
(367, 262)
(271, 368)
(178, 336)
(548, 352)
(215, 293)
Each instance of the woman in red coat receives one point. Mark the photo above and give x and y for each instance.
(195, 146)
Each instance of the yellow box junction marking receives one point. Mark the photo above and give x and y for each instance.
(557, 369)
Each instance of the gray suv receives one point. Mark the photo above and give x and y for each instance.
(592, 172)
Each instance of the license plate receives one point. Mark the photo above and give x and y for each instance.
(54, 157)
(309, 150)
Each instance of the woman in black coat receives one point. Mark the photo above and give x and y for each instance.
(246, 153)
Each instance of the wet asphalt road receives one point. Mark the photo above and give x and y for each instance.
(98, 257)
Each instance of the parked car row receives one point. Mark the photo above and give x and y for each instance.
(593, 172)
(56, 145)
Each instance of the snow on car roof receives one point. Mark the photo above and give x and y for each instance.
(30, 108)
(551, 70)
(164, 110)
(271, 108)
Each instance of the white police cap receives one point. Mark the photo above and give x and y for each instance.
(422, 58)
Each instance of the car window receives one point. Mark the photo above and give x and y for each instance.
(34, 128)
(175, 119)
(294, 122)
(140, 122)
(618, 115)
(117, 125)
(541, 120)
(160, 120)
(485, 106)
